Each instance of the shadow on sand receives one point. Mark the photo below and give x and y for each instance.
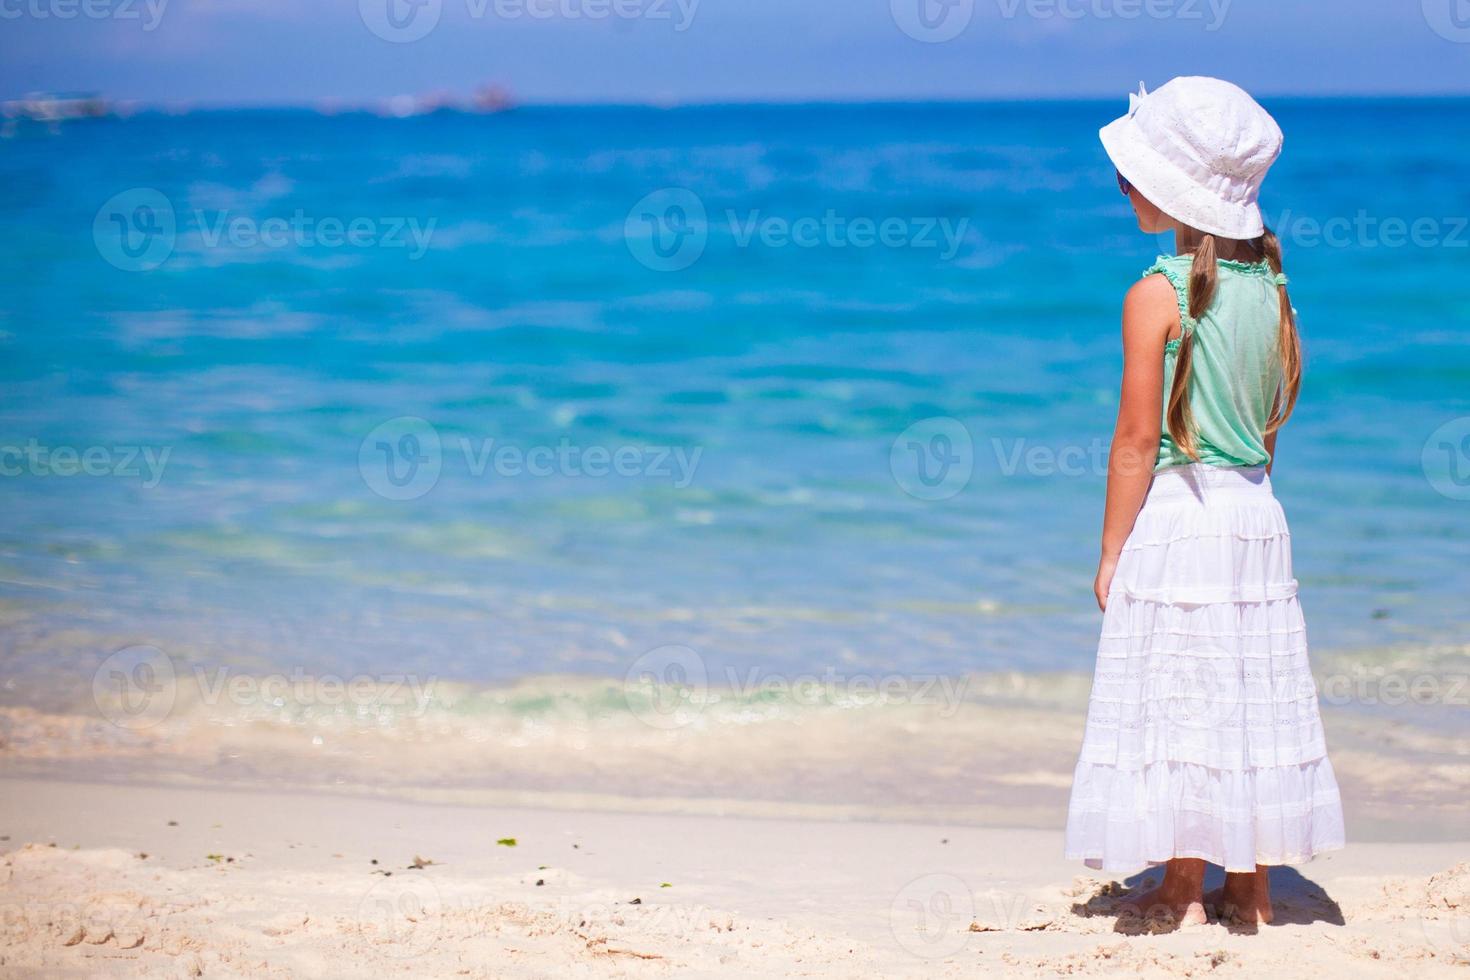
(1295, 899)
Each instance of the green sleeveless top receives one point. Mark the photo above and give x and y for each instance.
(1235, 365)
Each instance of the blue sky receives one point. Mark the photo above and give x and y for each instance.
(253, 52)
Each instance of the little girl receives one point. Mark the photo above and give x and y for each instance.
(1203, 740)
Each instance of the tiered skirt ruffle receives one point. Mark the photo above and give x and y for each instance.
(1203, 733)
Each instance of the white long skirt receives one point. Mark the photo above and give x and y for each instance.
(1203, 734)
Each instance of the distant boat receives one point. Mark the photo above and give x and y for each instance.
(50, 110)
(493, 98)
(484, 100)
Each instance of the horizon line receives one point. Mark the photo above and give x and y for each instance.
(338, 104)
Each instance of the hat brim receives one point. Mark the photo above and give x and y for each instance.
(1172, 190)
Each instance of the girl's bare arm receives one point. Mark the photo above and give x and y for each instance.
(1150, 316)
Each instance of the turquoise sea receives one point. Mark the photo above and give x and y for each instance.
(488, 398)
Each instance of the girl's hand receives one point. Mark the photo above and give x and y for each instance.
(1104, 581)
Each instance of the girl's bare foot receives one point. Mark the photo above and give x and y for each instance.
(1180, 896)
(1245, 899)
(1185, 911)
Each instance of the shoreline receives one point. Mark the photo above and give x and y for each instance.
(267, 883)
(998, 751)
(998, 816)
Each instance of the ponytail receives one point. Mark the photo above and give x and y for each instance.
(1290, 342)
(1204, 280)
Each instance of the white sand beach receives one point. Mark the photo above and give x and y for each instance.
(98, 879)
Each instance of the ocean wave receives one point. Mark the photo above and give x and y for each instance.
(975, 748)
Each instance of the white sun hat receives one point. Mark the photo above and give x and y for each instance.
(1199, 149)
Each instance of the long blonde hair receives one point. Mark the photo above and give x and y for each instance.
(1204, 279)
